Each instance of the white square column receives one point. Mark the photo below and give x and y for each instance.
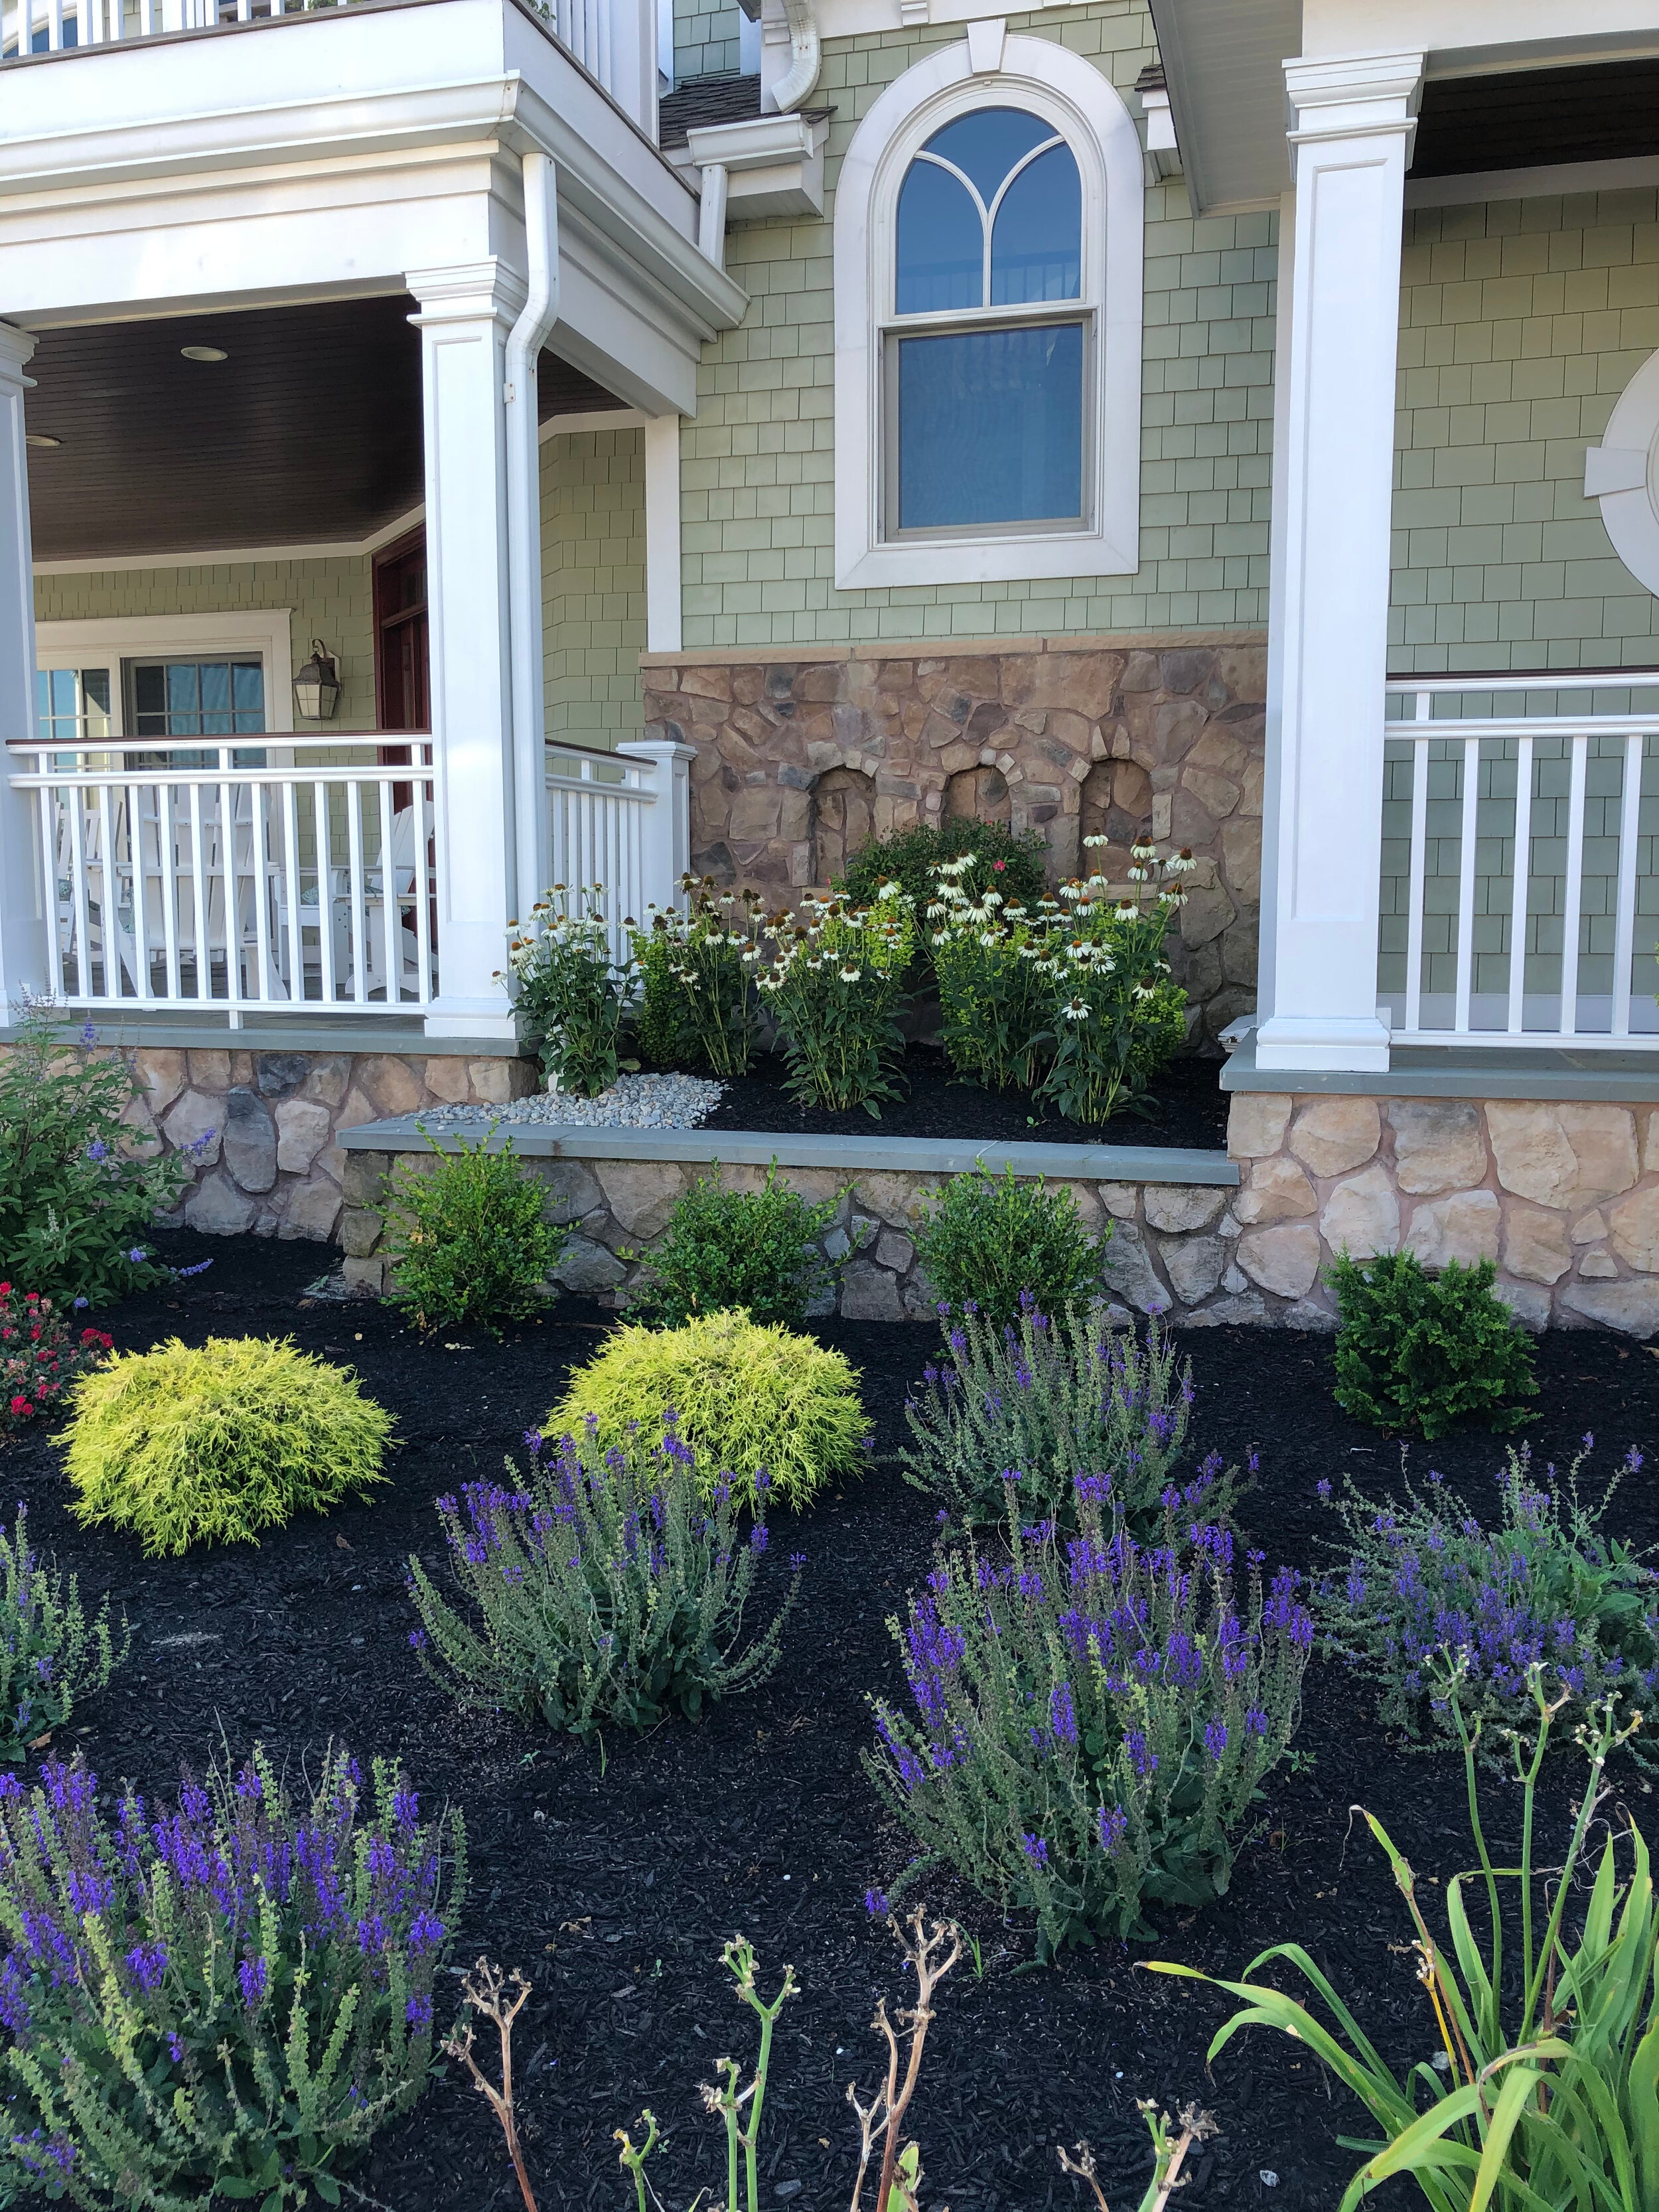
(23, 888)
(1353, 117)
(465, 316)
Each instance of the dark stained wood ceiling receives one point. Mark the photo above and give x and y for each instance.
(1533, 118)
(310, 433)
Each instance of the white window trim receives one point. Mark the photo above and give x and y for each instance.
(1061, 88)
(266, 631)
(1622, 473)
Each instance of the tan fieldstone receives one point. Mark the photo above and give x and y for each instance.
(1634, 1227)
(217, 1208)
(329, 1079)
(1120, 1199)
(1649, 1124)
(892, 1197)
(491, 1080)
(1632, 1305)
(895, 1250)
(1437, 1145)
(1283, 1259)
(1126, 1267)
(195, 1119)
(1362, 1216)
(1463, 1227)
(363, 1275)
(1589, 1227)
(163, 1074)
(359, 1231)
(301, 1133)
(1528, 1302)
(1601, 1265)
(1565, 1154)
(445, 1078)
(1176, 1207)
(1278, 1191)
(390, 1083)
(357, 1110)
(1255, 1123)
(1195, 1266)
(870, 1293)
(640, 1193)
(145, 1141)
(1331, 1135)
(210, 1071)
(311, 1212)
(1535, 1244)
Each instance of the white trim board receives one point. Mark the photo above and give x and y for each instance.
(343, 549)
(1635, 171)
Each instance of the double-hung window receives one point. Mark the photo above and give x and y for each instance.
(988, 270)
(986, 366)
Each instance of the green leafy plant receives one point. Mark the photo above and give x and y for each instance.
(748, 1400)
(1547, 2100)
(696, 966)
(571, 990)
(224, 1999)
(610, 1588)
(1055, 1399)
(76, 1199)
(466, 1237)
(50, 1656)
(1092, 1720)
(990, 1242)
(834, 986)
(1118, 1015)
(40, 1355)
(1422, 1578)
(1422, 1352)
(997, 859)
(215, 1443)
(995, 987)
(758, 1249)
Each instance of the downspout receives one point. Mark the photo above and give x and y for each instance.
(524, 524)
(805, 61)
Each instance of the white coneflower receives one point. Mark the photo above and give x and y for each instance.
(1076, 1009)
(851, 974)
(1179, 863)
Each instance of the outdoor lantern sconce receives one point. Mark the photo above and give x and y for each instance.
(317, 686)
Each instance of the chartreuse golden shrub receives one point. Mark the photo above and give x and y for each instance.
(744, 1396)
(215, 1443)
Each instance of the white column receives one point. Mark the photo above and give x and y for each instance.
(1355, 116)
(23, 954)
(465, 315)
(662, 532)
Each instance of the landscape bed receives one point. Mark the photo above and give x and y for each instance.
(613, 1873)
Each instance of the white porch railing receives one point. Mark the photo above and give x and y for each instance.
(604, 36)
(600, 818)
(1520, 861)
(240, 878)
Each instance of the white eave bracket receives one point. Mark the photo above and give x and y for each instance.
(773, 164)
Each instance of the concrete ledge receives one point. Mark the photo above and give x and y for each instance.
(875, 1154)
(1629, 1079)
(284, 1033)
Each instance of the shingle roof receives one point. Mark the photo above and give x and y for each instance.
(706, 99)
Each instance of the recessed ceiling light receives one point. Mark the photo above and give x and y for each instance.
(39, 438)
(205, 353)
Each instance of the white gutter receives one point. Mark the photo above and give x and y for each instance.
(805, 59)
(524, 524)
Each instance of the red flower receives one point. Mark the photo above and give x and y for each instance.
(22, 1407)
(998, 866)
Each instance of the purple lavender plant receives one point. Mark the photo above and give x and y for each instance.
(223, 1996)
(1546, 1587)
(1091, 1720)
(49, 1654)
(609, 1588)
(1059, 1401)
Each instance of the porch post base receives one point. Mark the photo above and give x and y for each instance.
(1343, 1043)
(471, 1018)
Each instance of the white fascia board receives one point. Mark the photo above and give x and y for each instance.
(1353, 26)
(1223, 71)
(1637, 172)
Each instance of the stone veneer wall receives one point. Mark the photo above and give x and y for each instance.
(270, 1163)
(799, 761)
(1564, 1197)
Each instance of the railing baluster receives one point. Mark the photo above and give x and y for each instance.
(78, 890)
(52, 869)
(168, 847)
(55, 26)
(293, 974)
(424, 887)
(1624, 940)
(391, 912)
(1520, 887)
(1575, 893)
(322, 832)
(230, 895)
(198, 894)
(1466, 884)
(354, 792)
(140, 917)
(109, 895)
(1414, 891)
(261, 874)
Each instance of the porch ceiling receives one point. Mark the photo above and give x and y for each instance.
(309, 433)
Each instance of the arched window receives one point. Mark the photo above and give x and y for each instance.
(988, 325)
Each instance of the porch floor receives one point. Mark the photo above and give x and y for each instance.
(1464, 1070)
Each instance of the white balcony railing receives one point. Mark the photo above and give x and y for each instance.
(600, 808)
(1520, 861)
(237, 878)
(614, 40)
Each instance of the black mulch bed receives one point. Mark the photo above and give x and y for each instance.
(616, 1878)
(1187, 1108)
